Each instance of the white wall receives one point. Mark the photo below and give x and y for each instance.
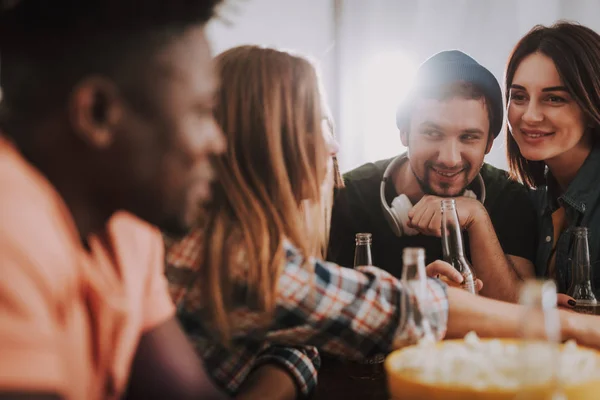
(402, 34)
(306, 27)
(367, 50)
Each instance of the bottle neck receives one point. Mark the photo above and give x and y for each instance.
(452, 242)
(581, 260)
(413, 267)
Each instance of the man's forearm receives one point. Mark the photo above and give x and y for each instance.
(500, 280)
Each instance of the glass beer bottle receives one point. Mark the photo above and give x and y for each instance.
(369, 368)
(362, 252)
(414, 280)
(581, 288)
(453, 247)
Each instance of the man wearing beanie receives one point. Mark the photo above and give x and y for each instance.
(448, 123)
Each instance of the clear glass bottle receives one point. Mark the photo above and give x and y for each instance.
(415, 303)
(415, 300)
(453, 246)
(362, 252)
(581, 288)
(541, 335)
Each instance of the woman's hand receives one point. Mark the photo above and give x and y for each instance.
(565, 302)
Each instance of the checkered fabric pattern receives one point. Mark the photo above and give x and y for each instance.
(353, 313)
(229, 367)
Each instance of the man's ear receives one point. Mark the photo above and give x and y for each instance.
(95, 108)
(404, 137)
(490, 143)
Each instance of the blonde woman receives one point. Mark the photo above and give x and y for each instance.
(245, 370)
(249, 273)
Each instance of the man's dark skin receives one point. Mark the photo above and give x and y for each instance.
(136, 134)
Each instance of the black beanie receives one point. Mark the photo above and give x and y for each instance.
(451, 66)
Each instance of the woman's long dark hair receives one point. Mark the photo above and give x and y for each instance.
(575, 51)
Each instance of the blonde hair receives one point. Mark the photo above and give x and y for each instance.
(271, 109)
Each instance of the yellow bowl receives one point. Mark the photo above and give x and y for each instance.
(405, 386)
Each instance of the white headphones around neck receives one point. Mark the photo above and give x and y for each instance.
(397, 214)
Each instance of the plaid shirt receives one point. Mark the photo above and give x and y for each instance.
(353, 313)
(230, 367)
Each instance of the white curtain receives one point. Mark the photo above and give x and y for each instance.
(380, 43)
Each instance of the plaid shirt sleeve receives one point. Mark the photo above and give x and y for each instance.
(230, 367)
(351, 313)
(302, 363)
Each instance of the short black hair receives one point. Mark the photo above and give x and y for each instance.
(46, 46)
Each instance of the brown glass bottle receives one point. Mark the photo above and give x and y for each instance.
(362, 252)
(581, 288)
(369, 368)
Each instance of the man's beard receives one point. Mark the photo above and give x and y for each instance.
(428, 189)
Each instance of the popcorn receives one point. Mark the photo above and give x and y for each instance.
(496, 364)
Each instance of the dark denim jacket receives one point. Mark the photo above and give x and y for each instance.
(582, 208)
